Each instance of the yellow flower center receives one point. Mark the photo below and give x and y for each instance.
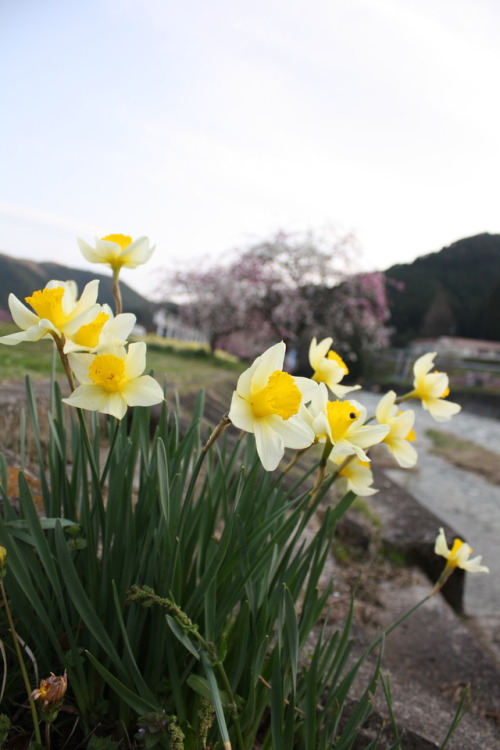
(341, 415)
(280, 396)
(47, 303)
(457, 546)
(108, 371)
(89, 335)
(338, 359)
(121, 239)
(44, 689)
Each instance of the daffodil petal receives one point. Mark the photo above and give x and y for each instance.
(22, 316)
(240, 413)
(138, 252)
(269, 444)
(135, 360)
(441, 410)
(89, 397)
(266, 364)
(294, 432)
(142, 391)
(404, 453)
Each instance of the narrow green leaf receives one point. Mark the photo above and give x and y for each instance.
(136, 703)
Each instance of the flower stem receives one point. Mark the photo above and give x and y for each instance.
(117, 295)
(223, 424)
(60, 341)
(36, 726)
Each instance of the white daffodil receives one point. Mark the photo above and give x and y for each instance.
(343, 424)
(458, 556)
(329, 367)
(111, 379)
(432, 388)
(117, 250)
(268, 402)
(91, 335)
(55, 311)
(355, 476)
(400, 425)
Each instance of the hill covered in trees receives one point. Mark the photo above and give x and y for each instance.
(453, 292)
(22, 277)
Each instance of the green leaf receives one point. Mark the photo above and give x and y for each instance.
(182, 637)
(136, 703)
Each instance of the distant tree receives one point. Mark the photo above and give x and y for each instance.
(439, 320)
(289, 288)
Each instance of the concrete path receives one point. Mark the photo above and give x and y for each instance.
(466, 501)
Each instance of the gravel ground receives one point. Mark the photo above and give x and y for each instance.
(465, 500)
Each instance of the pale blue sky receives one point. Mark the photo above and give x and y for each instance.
(208, 125)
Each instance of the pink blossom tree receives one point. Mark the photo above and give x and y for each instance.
(289, 288)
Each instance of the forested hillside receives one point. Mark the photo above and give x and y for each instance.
(455, 291)
(22, 277)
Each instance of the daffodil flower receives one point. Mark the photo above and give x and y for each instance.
(355, 476)
(268, 403)
(111, 379)
(400, 425)
(91, 335)
(55, 311)
(456, 557)
(329, 367)
(343, 424)
(432, 388)
(117, 250)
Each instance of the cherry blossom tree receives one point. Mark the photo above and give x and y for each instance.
(289, 288)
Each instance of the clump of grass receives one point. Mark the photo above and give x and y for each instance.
(466, 454)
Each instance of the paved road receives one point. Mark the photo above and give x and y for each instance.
(470, 504)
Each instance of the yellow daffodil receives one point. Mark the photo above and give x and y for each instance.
(117, 250)
(91, 335)
(111, 379)
(355, 476)
(268, 402)
(55, 311)
(432, 388)
(400, 425)
(329, 367)
(343, 424)
(456, 557)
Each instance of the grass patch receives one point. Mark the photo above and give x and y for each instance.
(184, 369)
(466, 455)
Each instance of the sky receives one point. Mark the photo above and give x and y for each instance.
(212, 125)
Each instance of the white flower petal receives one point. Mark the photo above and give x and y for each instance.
(22, 316)
(266, 364)
(440, 545)
(269, 444)
(294, 432)
(440, 409)
(135, 360)
(138, 252)
(404, 453)
(241, 414)
(91, 397)
(142, 391)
